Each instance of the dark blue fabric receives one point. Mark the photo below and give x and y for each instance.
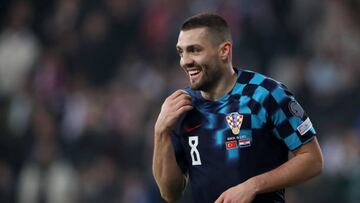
(269, 129)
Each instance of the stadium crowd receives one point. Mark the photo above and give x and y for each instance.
(81, 84)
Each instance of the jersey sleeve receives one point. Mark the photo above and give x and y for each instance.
(179, 152)
(288, 120)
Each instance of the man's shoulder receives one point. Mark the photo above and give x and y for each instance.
(255, 79)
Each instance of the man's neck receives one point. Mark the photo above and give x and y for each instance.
(224, 86)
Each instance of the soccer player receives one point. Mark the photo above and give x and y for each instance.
(230, 132)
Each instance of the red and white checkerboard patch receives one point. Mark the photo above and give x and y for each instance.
(235, 120)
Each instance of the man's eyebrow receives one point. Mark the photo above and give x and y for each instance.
(191, 46)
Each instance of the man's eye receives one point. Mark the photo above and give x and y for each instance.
(195, 50)
(180, 53)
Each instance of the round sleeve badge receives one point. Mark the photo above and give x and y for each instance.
(296, 109)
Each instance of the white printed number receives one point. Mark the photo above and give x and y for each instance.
(195, 155)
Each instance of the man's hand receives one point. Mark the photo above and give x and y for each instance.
(174, 106)
(242, 193)
(306, 163)
(167, 174)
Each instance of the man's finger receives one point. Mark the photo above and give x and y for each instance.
(181, 98)
(177, 93)
(184, 102)
(184, 109)
(220, 199)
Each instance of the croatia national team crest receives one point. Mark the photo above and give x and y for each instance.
(234, 120)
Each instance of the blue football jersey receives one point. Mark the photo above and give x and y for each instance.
(247, 132)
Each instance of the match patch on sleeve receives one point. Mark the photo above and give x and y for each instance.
(296, 109)
(305, 126)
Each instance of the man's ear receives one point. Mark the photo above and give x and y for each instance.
(225, 51)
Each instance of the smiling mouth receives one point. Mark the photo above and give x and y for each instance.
(193, 72)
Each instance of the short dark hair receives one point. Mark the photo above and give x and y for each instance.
(216, 25)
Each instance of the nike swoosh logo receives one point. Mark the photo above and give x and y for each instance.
(188, 130)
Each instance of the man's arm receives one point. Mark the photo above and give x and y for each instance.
(169, 177)
(306, 163)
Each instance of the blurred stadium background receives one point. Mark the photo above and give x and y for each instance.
(81, 84)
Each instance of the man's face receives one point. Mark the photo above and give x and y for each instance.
(199, 58)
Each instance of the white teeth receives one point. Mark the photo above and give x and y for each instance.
(193, 72)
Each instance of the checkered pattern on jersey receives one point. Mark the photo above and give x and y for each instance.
(264, 105)
(269, 100)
